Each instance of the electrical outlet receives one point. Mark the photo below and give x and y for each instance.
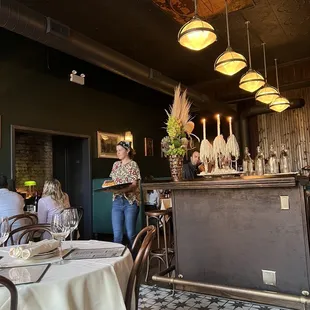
(285, 203)
(269, 277)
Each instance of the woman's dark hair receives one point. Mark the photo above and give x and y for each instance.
(127, 146)
(11, 185)
(131, 154)
(3, 181)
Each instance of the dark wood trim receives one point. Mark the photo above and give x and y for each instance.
(224, 183)
(50, 132)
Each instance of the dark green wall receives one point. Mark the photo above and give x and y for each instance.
(32, 95)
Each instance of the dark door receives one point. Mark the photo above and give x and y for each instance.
(71, 166)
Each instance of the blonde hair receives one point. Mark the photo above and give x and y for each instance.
(53, 188)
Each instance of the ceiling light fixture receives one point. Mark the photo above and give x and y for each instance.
(229, 62)
(280, 103)
(196, 34)
(252, 80)
(268, 93)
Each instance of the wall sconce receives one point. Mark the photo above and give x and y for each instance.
(129, 138)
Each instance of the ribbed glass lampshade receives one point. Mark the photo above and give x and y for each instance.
(230, 62)
(196, 34)
(251, 81)
(267, 94)
(279, 104)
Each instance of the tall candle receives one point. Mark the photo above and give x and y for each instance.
(218, 124)
(230, 127)
(204, 130)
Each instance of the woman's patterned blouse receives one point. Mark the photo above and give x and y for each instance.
(127, 173)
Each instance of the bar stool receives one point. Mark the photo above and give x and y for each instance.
(164, 254)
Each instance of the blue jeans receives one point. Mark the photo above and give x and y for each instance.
(124, 212)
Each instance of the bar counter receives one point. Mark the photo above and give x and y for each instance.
(227, 231)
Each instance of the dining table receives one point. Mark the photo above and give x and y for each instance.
(78, 284)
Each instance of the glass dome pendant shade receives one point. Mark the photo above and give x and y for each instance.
(280, 103)
(252, 80)
(229, 62)
(268, 93)
(196, 34)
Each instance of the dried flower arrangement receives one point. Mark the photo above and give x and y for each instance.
(179, 125)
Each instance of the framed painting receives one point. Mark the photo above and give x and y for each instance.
(106, 144)
(148, 147)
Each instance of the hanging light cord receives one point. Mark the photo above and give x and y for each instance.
(277, 78)
(265, 66)
(227, 26)
(195, 4)
(249, 46)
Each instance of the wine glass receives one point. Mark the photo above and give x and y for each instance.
(4, 229)
(60, 227)
(72, 216)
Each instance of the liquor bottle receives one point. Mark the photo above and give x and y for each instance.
(36, 201)
(284, 160)
(273, 161)
(259, 162)
(247, 162)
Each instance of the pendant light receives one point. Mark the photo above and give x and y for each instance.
(252, 80)
(268, 93)
(230, 62)
(280, 103)
(196, 34)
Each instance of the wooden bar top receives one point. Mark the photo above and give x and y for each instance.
(236, 182)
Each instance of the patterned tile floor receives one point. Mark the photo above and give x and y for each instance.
(156, 298)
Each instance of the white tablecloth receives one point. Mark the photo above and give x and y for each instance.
(93, 284)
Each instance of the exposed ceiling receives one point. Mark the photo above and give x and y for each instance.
(142, 30)
(183, 10)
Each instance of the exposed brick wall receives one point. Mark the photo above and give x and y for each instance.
(33, 158)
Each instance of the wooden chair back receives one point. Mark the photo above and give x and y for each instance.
(23, 220)
(13, 291)
(146, 236)
(28, 232)
(28, 218)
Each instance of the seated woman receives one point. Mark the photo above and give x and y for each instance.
(53, 200)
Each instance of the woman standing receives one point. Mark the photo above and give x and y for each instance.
(125, 207)
(53, 200)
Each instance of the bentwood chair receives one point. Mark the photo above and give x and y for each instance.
(27, 233)
(147, 234)
(22, 220)
(28, 219)
(13, 291)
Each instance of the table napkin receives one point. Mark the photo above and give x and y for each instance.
(27, 251)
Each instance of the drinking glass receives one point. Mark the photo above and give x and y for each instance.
(72, 216)
(60, 227)
(4, 229)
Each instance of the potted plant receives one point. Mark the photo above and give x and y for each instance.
(179, 128)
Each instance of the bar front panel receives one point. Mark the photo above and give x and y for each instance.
(229, 236)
